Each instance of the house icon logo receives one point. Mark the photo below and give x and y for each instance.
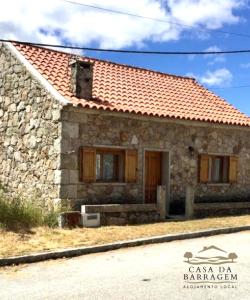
(211, 255)
(211, 267)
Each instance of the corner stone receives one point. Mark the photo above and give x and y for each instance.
(70, 130)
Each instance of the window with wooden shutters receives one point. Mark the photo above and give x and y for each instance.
(204, 168)
(233, 169)
(88, 164)
(131, 165)
(218, 169)
(108, 165)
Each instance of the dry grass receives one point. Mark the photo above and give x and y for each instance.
(46, 239)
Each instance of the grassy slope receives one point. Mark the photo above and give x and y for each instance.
(44, 238)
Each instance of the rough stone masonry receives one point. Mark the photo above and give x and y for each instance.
(81, 129)
(30, 132)
(40, 140)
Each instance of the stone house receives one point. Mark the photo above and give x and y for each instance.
(90, 131)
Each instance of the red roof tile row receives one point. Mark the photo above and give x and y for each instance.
(123, 88)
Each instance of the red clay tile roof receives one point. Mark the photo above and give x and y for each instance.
(122, 88)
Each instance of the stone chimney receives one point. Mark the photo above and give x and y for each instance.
(82, 79)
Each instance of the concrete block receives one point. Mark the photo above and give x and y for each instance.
(90, 220)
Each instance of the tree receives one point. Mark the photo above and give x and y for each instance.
(188, 255)
(232, 256)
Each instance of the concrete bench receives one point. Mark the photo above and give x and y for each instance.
(220, 209)
(222, 205)
(118, 208)
(122, 214)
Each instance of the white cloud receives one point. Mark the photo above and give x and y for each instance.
(211, 13)
(57, 21)
(212, 49)
(214, 58)
(219, 77)
(245, 66)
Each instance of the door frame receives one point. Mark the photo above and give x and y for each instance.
(165, 173)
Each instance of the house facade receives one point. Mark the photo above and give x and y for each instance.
(95, 132)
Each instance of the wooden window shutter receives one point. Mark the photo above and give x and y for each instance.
(88, 164)
(204, 168)
(233, 169)
(131, 165)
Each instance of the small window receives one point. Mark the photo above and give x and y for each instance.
(218, 169)
(109, 166)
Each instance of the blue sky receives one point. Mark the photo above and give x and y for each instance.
(59, 22)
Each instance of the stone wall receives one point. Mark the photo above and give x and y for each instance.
(40, 142)
(92, 129)
(129, 218)
(29, 132)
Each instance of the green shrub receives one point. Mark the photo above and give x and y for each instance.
(50, 218)
(16, 213)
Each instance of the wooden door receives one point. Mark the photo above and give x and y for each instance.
(152, 175)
